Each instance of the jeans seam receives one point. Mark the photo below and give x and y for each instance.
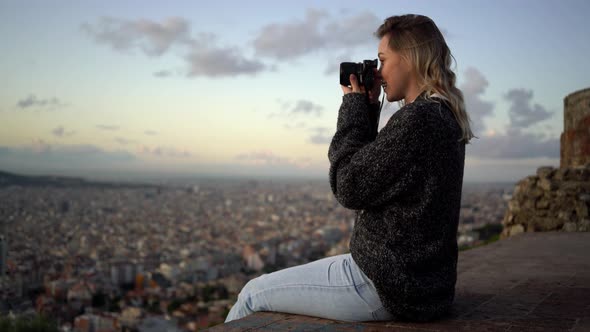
(366, 283)
(254, 293)
(313, 285)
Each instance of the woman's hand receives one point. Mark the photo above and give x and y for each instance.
(356, 88)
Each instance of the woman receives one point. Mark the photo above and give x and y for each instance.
(404, 182)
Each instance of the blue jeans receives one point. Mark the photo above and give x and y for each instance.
(332, 287)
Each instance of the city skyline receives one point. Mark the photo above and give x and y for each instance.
(182, 89)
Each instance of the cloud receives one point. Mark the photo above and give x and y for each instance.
(39, 146)
(267, 163)
(315, 32)
(204, 58)
(306, 107)
(163, 73)
(522, 113)
(352, 30)
(164, 151)
(107, 127)
(124, 141)
(477, 109)
(292, 39)
(262, 157)
(301, 106)
(503, 170)
(217, 62)
(150, 132)
(41, 155)
(31, 101)
(61, 132)
(320, 136)
(514, 144)
(153, 38)
(298, 125)
(333, 66)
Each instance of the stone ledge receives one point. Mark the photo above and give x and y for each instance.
(527, 282)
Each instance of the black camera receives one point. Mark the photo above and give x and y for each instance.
(362, 70)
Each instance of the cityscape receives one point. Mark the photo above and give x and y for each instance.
(174, 256)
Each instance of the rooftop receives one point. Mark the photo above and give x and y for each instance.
(527, 282)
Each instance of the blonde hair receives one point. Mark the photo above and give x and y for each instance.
(419, 40)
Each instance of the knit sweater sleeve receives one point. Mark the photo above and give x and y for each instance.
(368, 171)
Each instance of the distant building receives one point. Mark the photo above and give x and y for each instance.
(93, 322)
(252, 259)
(3, 254)
(124, 271)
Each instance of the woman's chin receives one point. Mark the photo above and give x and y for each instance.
(392, 99)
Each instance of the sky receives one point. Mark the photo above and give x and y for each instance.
(124, 89)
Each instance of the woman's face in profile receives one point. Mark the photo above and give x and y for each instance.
(395, 71)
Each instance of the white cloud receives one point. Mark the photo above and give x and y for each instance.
(317, 31)
(31, 101)
(514, 144)
(124, 141)
(153, 38)
(164, 151)
(40, 155)
(320, 136)
(292, 39)
(163, 73)
(298, 107)
(107, 127)
(477, 108)
(522, 113)
(61, 132)
(217, 62)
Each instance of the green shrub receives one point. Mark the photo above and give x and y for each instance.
(39, 323)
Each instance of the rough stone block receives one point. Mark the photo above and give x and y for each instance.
(546, 172)
(565, 215)
(560, 193)
(541, 224)
(584, 197)
(582, 209)
(570, 227)
(548, 185)
(535, 192)
(584, 225)
(515, 230)
(514, 206)
(542, 204)
(508, 219)
(560, 173)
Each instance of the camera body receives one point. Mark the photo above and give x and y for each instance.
(362, 70)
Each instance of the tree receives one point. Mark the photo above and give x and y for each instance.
(38, 323)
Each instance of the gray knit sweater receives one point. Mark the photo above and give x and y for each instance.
(405, 183)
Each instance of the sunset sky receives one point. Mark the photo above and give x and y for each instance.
(236, 88)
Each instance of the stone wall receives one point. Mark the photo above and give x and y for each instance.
(553, 199)
(575, 139)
